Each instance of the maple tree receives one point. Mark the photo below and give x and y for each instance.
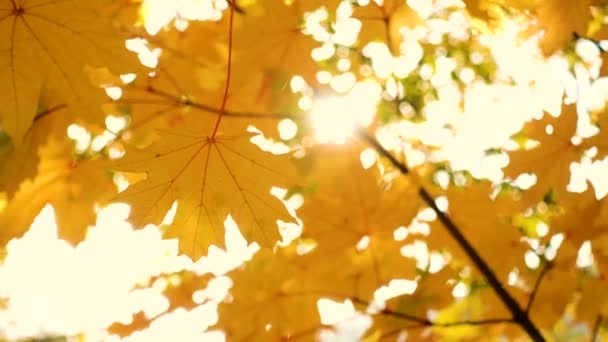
(361, 169)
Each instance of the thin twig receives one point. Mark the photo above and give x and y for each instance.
(520, 317)
(547, 266)
(423, 322)
(203, 107)
(480, 322)
(426, 322)
(401, 315)
(596, 328)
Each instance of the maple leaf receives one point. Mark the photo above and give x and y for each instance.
(72, 186)
(550, 160)
(405, 311)
(179, 291)
(487, 223)
(555, 298)
(478, 9)
(352, 217)
(560, 20)
(581, 217)
(590, 304)
(19, 162)
(386, 20)
(279, 44)
(265, 299)
(210, 176)
(47, 45)
(599, 140)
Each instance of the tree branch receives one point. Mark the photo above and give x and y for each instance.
(426, 322)
(539, 279)
(185, 101)
(381, 150)
(520, 316)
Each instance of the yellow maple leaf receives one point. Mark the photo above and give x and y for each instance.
(72, 186)
(581, 217)
(20, 162)
(486, 222)
(385, 21)
(179, 291)
(352, 215)
(560, 20)
(210, 176)
(433, 291)
(266, 300)
(591, 304)
(550, 159)
(279, 43)
(46, 45)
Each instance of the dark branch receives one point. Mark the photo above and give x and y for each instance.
(381, 150)
(546, 267)
(520, 316)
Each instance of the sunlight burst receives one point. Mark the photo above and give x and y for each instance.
(335, 118)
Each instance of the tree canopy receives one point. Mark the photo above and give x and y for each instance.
(340, 170)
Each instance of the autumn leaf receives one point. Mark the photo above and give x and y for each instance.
(486, 219)
(550, 160)
(179, 290)
(72, 186)
(266, 300)
(385, 21)
(279, 44)
(210, 176)
(560, 20)
(47, 45)
(217, 128)
(581, 218)
(20, 162)
(352, 216)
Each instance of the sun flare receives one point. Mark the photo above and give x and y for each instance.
(334, 118)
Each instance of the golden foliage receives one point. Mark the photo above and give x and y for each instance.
(410, 240)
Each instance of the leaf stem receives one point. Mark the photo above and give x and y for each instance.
(228, 69)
